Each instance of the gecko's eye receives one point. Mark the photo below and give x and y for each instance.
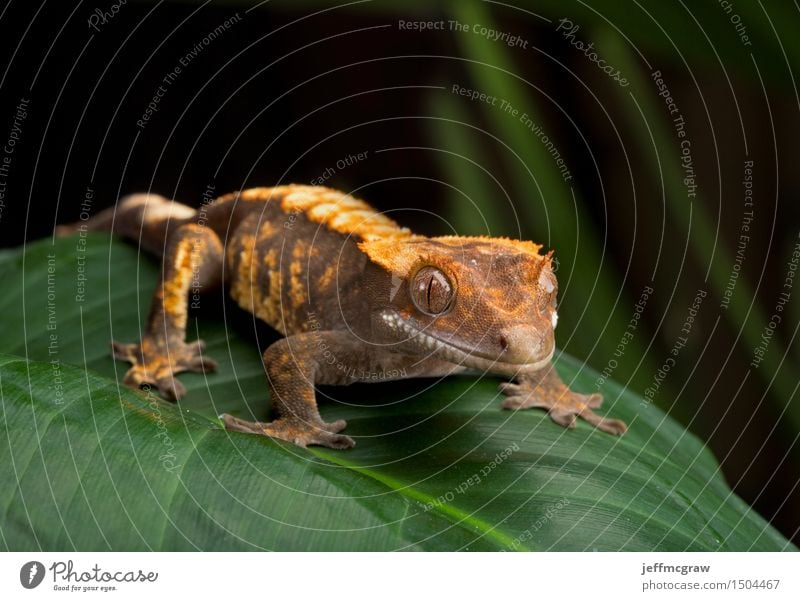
(431, 291)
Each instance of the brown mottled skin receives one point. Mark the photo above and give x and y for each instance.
(357, 297)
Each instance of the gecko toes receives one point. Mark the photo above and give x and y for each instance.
(338, 441)
(512, 403)
(171, 388)
(523, 401)
(564, 419)
(156, 363)
(336, 426)
(133, 378)
(196, 347)
(201, 364)
(564, 405)
(121, 350)
(294, 430)
(612, 426)
(594, 400)
(509, 388)
(239, 425)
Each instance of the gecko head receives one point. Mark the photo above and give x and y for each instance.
(485, 303)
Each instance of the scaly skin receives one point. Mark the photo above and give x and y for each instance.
(357, 298)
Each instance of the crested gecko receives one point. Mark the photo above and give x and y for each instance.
(353, 294)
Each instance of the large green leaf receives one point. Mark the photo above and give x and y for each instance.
(91, 465)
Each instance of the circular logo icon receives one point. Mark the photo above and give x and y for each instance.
(31, 574)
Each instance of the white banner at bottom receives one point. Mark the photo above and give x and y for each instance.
(357, 576)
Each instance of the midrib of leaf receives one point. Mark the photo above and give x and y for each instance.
(618, 468)
(462, 518)
(636, 450)
(456, 515)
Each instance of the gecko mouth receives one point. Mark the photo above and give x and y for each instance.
(447, 351)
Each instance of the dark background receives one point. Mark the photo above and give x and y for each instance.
(293, 87)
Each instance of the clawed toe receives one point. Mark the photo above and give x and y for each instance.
(612, 426)
(517, 397)
(563, 419)
(133, 377)
(336, 426)
(294, 431)
(594, 401)
(509, 388)
(201, 364)
(513, 403)
(196, 346)
(239, 425)
(336, 441)
(123, 351)
(170, 388)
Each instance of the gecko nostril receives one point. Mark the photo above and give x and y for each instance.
(503, 343)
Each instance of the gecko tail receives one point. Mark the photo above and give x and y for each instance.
(146, 218)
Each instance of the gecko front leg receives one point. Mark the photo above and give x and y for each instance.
(294, 366)
(193, 258)
(546, 390)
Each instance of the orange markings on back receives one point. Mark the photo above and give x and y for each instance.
(341, 213)
(328, 277)
(297, 295)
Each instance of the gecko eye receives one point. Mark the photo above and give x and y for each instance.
(431, 291)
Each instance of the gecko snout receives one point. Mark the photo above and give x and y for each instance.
(524, 345)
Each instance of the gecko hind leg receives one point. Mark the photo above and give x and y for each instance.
(193, 261)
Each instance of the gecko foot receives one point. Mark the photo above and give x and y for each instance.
(155, 364)
(295, 431)
(564, 405)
